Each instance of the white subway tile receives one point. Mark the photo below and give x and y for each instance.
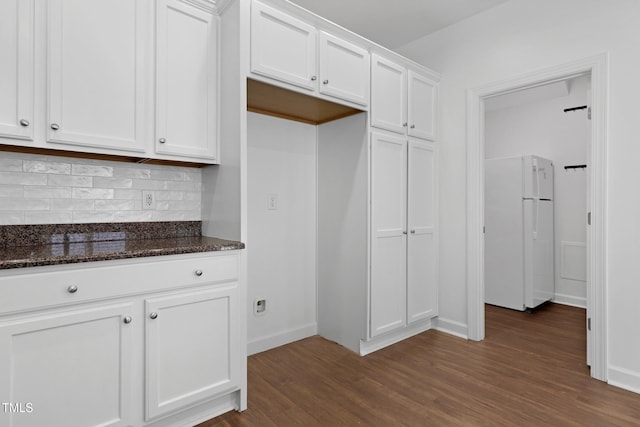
(11, 165)
(48, 217)
(192, 195)
(69, 181)
(18, 204)
(21, 178)
(71, 205)
(11, 191)
(37, 166)
(11, 218)
(47, 192)
(149, 184)
(193, 176)
(131, 173)
(169, 195)
(134, 216)
(102, 216)
(183, 186)
(114, 205)
(100, 182)
(162, 205)
(184, 205)
(92, 170)
(127, 194)
(169, 175)
(168, 216)
(92, 193)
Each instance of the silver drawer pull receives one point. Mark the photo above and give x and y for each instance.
(72, 289)
(313, 78)
(127, 320)
(413, 231)
(24, 122)
(153, 315)
(413, 126)
(198, 273)
(55, 126)
(326, 82)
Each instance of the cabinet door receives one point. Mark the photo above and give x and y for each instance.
(192, 348)
(388, 95)
(389, 236)
(68, 369)
(96, 73)
(422, 106)
(16, 68)
(422, 257)
(282, 47)
(344, 70)
(186, 96)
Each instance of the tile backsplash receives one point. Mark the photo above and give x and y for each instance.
(39, 189)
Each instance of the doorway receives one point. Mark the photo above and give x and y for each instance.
(596, 176)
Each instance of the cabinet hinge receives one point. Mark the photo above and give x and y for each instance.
(589, 113)
(588, 218)
(484, 230)
(589, 324)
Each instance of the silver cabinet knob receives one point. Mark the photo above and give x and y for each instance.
(72, 289)
(153, 315)
(162, 140)
(404, 125)
(314, 78)
(413, 126)
(413, 231)
(404, 232)
(326, 82)
(127, 320)
(55, 126)
(24, 122)
(198, 273)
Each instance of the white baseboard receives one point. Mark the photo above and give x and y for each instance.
(570, 300)
(281, 338)
(387, 339)
(624, 378)
(451, 327)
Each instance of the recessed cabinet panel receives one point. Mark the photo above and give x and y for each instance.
(388, 95)
(422, 296)
(16, 69)
(282, 47)
(73, 368)
(186, 100)
(96, 73)
(388, 240)
(344, 70)
(201, 322)
(422, 107)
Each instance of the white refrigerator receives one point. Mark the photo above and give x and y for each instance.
(519, 261)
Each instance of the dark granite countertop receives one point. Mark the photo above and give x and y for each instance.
(38, 245)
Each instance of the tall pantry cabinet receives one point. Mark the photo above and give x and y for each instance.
(376, 163)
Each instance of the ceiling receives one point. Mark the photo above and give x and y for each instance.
(394, 23)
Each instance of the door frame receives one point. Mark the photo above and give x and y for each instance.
(597, 66)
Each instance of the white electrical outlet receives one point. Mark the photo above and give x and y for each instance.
(260, 307)
(148, 200)
(272, 202)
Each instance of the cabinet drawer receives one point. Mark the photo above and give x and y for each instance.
(41, 287)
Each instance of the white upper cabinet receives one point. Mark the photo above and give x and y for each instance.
(16, 68)
(186, 79)
(344, 69)
(422, 106)
(388, 95)
(282, 47)
(295, 52)
(96, 72)
(402, 101)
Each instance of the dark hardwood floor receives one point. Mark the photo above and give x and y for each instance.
(529, 371)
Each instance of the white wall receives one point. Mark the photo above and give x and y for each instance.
(519, 37)
(39, 189)
(544, 129)
(281, 250)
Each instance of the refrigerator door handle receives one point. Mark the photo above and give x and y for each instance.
(537, 173)
(536, 214)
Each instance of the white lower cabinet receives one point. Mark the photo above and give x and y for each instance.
(69, 368)
(107, 353)
(190, 349)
